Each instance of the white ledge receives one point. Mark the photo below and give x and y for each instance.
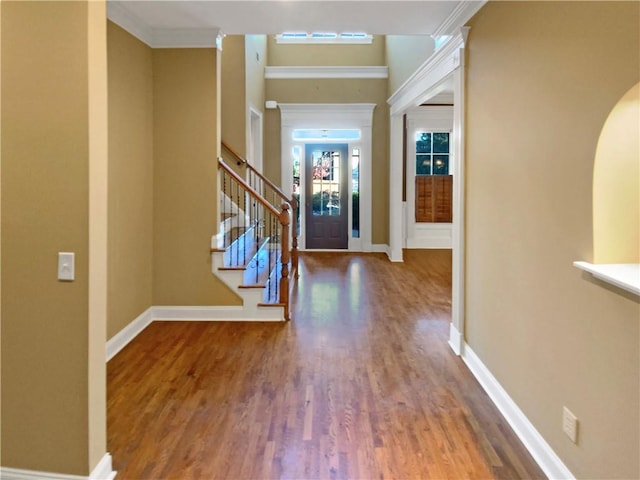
(306, 72)
(622, 275)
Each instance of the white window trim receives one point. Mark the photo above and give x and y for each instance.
(331, 116)
(425, 235)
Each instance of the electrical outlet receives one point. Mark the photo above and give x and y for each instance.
(570, 424)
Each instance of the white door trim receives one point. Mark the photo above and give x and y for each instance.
(427, 82)
(329, 116)
(429, 118)
(254, 138)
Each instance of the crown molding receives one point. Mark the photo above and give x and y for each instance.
(163, 37)
(430, 74)
(460, 15)
(288, 73)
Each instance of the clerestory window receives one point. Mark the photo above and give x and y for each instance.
(324, 37)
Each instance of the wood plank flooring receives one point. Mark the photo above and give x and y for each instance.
(361, 384)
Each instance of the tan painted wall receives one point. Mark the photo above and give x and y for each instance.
(542, 78)
(233, 87)
(332, 55)
(130, 178)
(256, 60)
(185, 175)
(47, 143)
(616, 184)
(404, 55)
(338, 91)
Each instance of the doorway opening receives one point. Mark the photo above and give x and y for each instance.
(326, 163)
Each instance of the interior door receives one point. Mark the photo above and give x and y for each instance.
(326, 196)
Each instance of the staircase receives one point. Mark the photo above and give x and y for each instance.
(255, 251)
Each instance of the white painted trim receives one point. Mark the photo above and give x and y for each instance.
(397, 221)
(304, 72)
(380, 248)
(255, 137)
(457, 166)
(425, 81)
(102, 471)
(119, 14)
(430, 79)
(430, 235)
(128, 333)
(622, 275)
(455, 339)
(460, 15)
(331, 116)
(434, 118)
(218, 313)
(537, 446)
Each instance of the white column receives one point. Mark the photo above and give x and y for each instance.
(456, 333)
(395, 188)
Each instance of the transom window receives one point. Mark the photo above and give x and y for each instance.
(432, 153)
(324, 37)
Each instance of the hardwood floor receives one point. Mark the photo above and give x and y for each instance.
(360, 384)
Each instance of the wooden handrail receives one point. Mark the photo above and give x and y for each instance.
(292, 202)
(241, 160)
(248, 188)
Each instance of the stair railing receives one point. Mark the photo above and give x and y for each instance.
(274, 195)
(253, 224)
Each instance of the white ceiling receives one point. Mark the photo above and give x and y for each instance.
(269, 16)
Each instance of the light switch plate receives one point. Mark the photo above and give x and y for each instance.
(66, 266)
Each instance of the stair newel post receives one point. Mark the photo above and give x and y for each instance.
(294, 236)
(285, 222)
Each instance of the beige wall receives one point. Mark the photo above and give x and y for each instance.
(130, 178)
(323, 54)
(404, 55)
(233, 88)
(185, 174)
(541, 80)
(616, 184)
(256, 60)
(53, 129)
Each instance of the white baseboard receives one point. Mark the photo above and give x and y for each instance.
(455, 339)
(537, 446)
(102, 471)
(128, 333)
(380, 248)
(218, 314)
(204, 314)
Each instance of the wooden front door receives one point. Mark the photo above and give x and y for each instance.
(326, 196)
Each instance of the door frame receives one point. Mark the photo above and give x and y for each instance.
(254, 138)
(445, 64)
(331, 116)
(429, 118)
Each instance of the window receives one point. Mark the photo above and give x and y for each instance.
(355, 192)
(325, 37)
(432, 153)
